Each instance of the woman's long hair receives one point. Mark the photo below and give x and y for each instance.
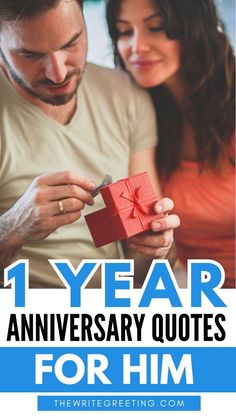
(208, 72)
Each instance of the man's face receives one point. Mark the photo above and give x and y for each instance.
(45, 56)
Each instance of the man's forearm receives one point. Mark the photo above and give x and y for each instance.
(10, 241)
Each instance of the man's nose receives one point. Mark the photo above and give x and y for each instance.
(55, 67)
(140, 43)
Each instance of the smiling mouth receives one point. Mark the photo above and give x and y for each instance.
(145, 64)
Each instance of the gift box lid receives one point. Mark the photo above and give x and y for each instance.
(128, 191)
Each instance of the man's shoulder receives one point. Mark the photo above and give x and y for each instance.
(96, 69)
(95, 73)
(111, 80)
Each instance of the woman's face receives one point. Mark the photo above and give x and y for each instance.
(148, 55)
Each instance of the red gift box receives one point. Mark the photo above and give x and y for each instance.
(129, 210)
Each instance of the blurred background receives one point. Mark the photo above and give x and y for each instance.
(100, 51)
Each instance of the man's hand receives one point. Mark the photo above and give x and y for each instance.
(49, 202)
(157, 242)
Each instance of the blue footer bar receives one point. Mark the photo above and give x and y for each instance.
(119, 403)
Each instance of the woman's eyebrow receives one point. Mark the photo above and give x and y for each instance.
(155, 15)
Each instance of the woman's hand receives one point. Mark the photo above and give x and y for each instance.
(158, 241)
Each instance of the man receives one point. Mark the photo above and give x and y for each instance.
(56, 143)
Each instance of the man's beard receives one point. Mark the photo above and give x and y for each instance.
(52, 100)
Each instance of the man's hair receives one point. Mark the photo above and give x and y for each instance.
(24, 9)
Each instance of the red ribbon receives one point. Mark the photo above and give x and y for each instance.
(134, 197)
(139, 209)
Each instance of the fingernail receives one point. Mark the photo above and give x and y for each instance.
(159, 208)
(92, 185)
(156, 226)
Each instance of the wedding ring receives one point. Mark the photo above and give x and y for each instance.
(61, 207)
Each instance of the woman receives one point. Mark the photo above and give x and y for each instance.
(177, 49)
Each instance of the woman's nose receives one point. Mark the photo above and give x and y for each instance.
(140, 43)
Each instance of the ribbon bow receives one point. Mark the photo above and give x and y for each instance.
(138, 206)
